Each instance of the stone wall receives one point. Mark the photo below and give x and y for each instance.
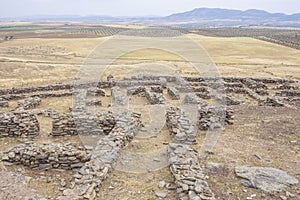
(18, 124)
(136, 90)
(4, 103)
(47, 156)
(252, 84)
(192, 98)
(272, 102)
(46, 94)
(154, 97)
(289, 93)
(82, 123)
(157, 89)
(184, 160)
(22, 90)
(189, 178)
(286, 87)
(29, 103)
(119, 98)
(214, 117)
(181, 128)
(154, 94)
(202, 92)
(141, 82)
(173, 93)
(48, 91)
(90, 177)
(231, 101)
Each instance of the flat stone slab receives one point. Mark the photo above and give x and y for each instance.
(265, 178)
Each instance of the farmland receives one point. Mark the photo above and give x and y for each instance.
(285, 37)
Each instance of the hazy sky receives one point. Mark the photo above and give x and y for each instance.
(13, 8)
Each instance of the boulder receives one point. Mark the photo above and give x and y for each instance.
(265, 178)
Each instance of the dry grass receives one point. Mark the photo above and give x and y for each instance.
(251, 57)
(38, 61)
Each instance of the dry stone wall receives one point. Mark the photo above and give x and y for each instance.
(173, 93)
(23, 124)
(90, 177)
(214, 117)
(180, 126)
(47, 156)
(22, 90)
(46, 94)
(119, 98)
(189, 178)
(184, 160)
(154, 97)
(272, 101)
(136, 90)
(29, 103)
(3, 103)
(82, 123)
(257, 88)
(192, 98)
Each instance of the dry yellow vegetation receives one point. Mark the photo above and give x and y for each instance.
(250, 57)
(35, 61)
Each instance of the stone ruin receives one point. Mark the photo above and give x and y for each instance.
(258, 89)
(90, 177)
(153, 94)
(3, 103)
(211, 117)
(173, 93)
(184, 160)
(82, 123)
(23, 124)
(119, 98)
(47, 156)
(189, 177)
(192, 98)
(118, 130)
(29, 103)
(180, 126)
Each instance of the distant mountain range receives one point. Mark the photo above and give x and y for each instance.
(228, 17)
(203, 17)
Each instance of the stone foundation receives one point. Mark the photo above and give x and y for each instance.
(82, 123)
(47, 156)
(29, 103)
(154, 97)
(21, 123)
(173, 93)
(90, 177)
(214, 117)
(180, 127)
(189, 178)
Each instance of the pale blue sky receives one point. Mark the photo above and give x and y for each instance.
(13, 8)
